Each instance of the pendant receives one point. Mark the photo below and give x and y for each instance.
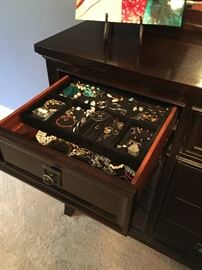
(70, 91)
(134, 149)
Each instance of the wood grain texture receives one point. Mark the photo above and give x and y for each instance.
(167, 65)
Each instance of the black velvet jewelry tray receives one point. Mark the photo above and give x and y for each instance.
(93, 134)
(82, 98)
(128, 102)
(108, 147)
(30, 118)
(50, 125)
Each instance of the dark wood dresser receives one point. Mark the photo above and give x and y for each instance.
(162, 207)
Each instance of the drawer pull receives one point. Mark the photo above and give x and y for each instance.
(198, 249)
(47, 180)
(51, 176)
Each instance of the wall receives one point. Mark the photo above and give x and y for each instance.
(23, 23)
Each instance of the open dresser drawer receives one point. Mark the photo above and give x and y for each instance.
(105, 197)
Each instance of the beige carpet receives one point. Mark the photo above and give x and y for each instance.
(36, 235)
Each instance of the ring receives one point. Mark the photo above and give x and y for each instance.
(102, 104)
(115, 107)
(99, 116)
(108, 130)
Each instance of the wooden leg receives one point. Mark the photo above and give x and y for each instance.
(69, 210)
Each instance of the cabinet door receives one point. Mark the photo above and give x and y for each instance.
(180, 222)
(102, 196)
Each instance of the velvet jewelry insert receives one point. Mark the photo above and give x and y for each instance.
(41, 113)
(115, 102)
(68, 121)
(125, 141)
(119, 126)
(81, 91)
(97, 96)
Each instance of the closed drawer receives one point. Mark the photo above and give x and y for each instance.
(175, 236)
(187, 184)
(185, 215)
(105, 197)
(192, 146)
(180, 220)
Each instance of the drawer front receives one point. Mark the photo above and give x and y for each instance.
(111, 203)
(193, 140)
(185, 215)
(183, 205)
(187, 184)
(180, 221)
(186, 242)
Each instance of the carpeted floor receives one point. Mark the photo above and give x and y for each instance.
(36, 235)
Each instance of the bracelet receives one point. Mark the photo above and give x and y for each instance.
(53, 104)
(99, 116)
(65, 121)
(117, 107)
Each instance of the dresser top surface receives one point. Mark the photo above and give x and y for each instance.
(167, 54)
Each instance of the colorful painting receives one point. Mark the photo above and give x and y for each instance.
(157, 12)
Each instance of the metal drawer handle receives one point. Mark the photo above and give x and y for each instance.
(51, 176)
(47, 180)
(198, 249)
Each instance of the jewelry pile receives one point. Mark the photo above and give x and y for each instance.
(84, 154)
(78, 89)
(100, 126)
(112, 129)
(48, 109)
(148, 113)
(73, 118)
(134, 140)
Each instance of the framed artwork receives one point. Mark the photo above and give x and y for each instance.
(155, 12)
